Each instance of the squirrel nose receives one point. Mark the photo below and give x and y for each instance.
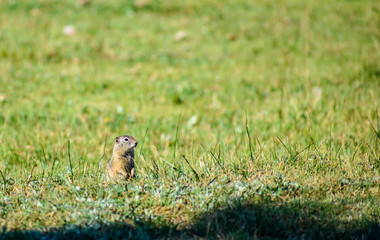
(136, 144)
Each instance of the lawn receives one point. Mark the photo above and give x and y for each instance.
(255, 119)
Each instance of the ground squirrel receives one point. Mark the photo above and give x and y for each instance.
(121, 167)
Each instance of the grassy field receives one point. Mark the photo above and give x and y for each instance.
(255, 119)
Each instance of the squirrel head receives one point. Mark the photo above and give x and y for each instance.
(125, 143)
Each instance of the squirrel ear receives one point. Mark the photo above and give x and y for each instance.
(117, 139)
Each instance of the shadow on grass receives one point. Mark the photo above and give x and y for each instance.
(264, 220)
(294, 220)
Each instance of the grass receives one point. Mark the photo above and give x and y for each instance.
(261, 122)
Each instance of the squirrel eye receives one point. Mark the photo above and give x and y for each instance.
(126, 139)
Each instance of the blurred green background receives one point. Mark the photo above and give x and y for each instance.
(296, 68)
(191, 77)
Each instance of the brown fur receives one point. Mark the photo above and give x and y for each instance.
(121, 166)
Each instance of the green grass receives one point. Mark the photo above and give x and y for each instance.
(261, 123)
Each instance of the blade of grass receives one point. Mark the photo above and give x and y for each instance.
(146, 133)
(173, 167)
(71, 166)
(217, 161)
(377, 132)
(287, 149)
(104, 152)
(176, 136)
(195, 173)
(249, 137)
(4, 181)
